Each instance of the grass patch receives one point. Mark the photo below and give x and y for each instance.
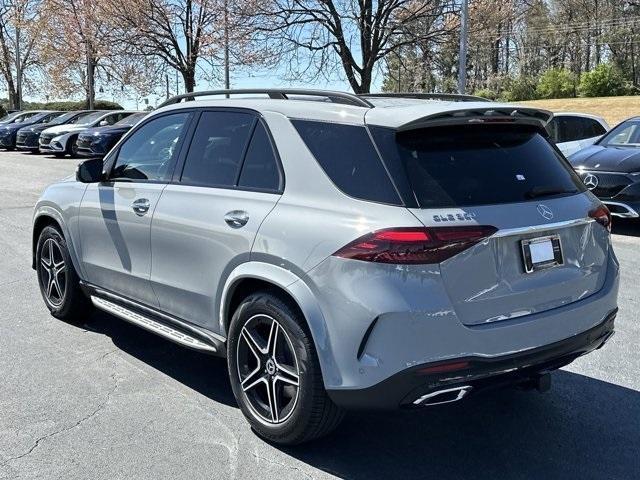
(612, 109)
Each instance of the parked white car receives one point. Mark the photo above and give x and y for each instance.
(572, 132)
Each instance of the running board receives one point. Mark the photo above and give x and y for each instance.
(152, 325)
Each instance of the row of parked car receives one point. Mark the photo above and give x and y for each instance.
(93, 132)
(608, 162)
(87, 133)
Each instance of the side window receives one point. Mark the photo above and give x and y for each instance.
(577, 128)
(150, 151)
(215, 153)
(260, 168)
(594, 128)
(349, 159)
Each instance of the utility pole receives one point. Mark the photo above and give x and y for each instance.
(464, 34)
(227, 82)
(167, 79)
(18, 100)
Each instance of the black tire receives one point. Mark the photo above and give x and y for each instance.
(312, 414)
(72, 148)
(59, 154)
(64, 298)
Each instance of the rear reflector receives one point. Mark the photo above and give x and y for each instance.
(414, 245)
(443, 368)
(602, 215)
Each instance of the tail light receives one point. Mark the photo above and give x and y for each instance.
(414, 245)
(602, 215)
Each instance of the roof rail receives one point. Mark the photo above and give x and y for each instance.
(453, 97)
(278, 94)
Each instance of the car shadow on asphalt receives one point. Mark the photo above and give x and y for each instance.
(625, 226)
(582, 428)
(204, 373)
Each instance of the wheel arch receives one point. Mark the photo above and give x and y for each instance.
(252, 276)
(48, 216)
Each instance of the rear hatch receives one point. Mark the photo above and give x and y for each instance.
(547, 251)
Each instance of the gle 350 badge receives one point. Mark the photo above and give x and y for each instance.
(454, 217)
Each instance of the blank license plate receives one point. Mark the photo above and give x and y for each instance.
(539, 253)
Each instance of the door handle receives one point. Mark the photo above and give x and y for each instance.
(140, 206)
(236, 218)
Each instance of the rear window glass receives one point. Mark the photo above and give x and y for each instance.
(477, 165)
(349, 159)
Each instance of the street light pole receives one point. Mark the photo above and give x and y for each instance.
(464, 38)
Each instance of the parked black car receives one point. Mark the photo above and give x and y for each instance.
(611, 168)
(96, 142)
(28, 137)
(9, 131)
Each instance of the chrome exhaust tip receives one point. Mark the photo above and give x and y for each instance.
(447, 395)
(621, 210)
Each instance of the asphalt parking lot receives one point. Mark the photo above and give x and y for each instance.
(106, 400)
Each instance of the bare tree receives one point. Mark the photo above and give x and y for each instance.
(354, 35)
(175, 32)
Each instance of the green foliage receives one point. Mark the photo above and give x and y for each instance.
(557, 83)
(606, 80)
(487, 93)
(521, 88)
(69, 105)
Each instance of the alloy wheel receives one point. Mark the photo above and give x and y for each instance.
(53, 272)
(268, 369)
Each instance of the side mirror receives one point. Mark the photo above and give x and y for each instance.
(90, 171)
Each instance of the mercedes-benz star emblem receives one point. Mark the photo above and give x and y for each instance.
(545, 212)
(590, 180)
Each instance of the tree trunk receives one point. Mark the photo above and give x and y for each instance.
(91, 82)
(189, 77)
(13, 95)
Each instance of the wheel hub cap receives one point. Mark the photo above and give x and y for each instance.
(267, 369)
(53, 272)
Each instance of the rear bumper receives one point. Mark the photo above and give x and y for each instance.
(473, 374)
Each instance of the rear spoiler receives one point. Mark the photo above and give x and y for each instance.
(505, 114)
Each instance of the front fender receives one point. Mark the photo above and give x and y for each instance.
(46, 210)
(298, 289)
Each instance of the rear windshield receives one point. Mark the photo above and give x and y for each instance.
(476, 165)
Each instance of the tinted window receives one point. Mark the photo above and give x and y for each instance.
(90, 118)
(348, 157)
(570, 129)
(477, 165)
(260, 168)
(149, 152)
(51, 116)
(215, 153)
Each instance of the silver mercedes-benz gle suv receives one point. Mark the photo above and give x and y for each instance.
(341, 251)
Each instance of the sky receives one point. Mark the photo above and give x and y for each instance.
(257, 79)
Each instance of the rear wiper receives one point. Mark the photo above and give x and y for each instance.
(537, 192)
